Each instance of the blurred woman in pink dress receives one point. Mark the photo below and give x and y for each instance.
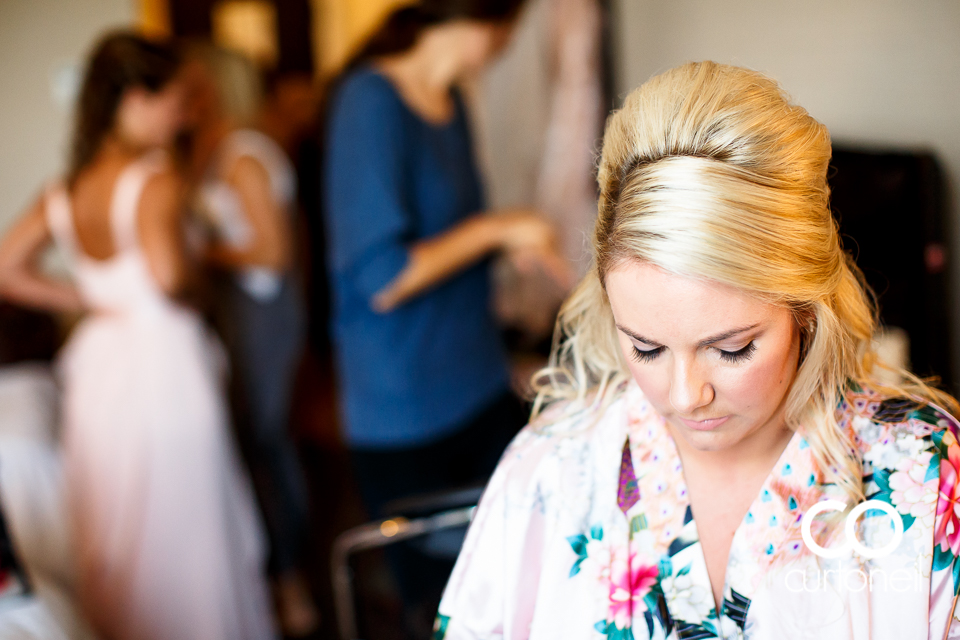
(168, 542)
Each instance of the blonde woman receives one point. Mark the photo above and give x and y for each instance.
(710, 412)
(247, 190)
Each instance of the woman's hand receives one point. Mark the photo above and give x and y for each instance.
(524, 236)
(530, 241)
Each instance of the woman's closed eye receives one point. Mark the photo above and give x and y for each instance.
(733, 357)
(740, 355)
(646, 355)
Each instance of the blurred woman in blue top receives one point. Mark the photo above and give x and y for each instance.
(418, 348)
(423, 371)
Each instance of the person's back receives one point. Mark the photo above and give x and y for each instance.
(142, 397)
(111, 226)
(167, 540)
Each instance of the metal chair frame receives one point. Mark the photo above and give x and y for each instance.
(381, 533)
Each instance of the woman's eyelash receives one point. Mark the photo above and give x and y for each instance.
(649, 355)
(741, 355)
(735, 357)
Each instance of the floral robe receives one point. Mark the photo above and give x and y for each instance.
(585, 532)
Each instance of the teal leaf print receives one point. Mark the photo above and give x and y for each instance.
(956, 578)
(937, 437)
(579, 545)
(596, 532)
(882, 478)
(440, 627)
(933, 471)
(946, 560)
(710, 624)
(941, 559)
(638, 523)
(611, 631)
(666, 569)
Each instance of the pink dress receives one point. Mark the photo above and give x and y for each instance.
(167, 537)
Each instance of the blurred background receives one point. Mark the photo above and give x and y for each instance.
(883, 75)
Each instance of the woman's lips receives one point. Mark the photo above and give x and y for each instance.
(704, 425)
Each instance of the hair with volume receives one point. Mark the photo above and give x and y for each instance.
(237, 81)
(708, 171)
(120, 61)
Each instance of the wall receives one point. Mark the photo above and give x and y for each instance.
(42, 44)
(876, 72)
(341, 26)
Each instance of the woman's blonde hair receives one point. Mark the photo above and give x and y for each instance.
(236, 79)
(708, 171)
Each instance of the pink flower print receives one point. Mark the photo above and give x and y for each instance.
(631, 578)
(947, 533)
(911, 495)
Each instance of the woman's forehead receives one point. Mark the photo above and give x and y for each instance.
(658, 304)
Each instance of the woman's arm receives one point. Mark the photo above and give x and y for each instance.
(525, 236)
(271, 227)
(160, 225)
(21, 280)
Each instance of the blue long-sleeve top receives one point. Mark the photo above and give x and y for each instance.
(416, 373)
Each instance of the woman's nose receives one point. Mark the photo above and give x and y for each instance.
(689, 389)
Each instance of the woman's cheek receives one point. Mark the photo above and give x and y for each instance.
(654, 383)
(758, 384)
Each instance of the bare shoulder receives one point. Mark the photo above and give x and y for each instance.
(168, 183)
(162, 197)
(246, 168)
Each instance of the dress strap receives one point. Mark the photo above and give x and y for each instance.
(259, 146)
(126, 199)
(56, 209)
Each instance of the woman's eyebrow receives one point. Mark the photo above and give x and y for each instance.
(703, 343)
(727, 334)
(638, 337)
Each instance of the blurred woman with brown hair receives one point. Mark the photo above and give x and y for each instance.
(423, 372)
(168, 540)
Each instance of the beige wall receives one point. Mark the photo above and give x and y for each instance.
(341, 26)
(876, 72)
(42, 44)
